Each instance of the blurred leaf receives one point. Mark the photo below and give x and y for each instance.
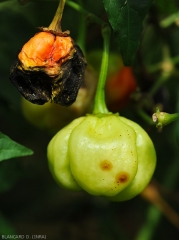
(10, 149)
(23, 2)
(4, 1)
(126, 18)
(166, 6)
(10, 173)
(6, 227)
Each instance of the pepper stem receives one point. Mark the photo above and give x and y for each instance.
(162, 118)
(56, 22)
(100, 103)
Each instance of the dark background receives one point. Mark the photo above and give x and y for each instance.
(30, 200)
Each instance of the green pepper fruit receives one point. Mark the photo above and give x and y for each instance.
(104, 154)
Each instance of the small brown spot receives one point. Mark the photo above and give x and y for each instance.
(106, 165)
(122, 177)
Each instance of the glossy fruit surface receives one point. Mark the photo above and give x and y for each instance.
(104, 154)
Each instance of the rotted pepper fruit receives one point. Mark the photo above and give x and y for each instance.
(103, 154)
(52, 117)
(50, 67)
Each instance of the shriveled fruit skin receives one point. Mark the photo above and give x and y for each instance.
(53, 117)
(49, 67)
(107, 155)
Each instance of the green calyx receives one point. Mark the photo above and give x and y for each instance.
(101, 115)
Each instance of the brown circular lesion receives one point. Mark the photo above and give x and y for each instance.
(106, 165)
(122, 177)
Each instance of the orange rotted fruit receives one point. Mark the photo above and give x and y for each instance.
(50, 66)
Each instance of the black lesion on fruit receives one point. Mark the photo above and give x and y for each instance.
(38, 87)
(72, 77)
(34, 84)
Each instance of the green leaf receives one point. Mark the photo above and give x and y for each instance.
(126, 18)
(10, 149)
